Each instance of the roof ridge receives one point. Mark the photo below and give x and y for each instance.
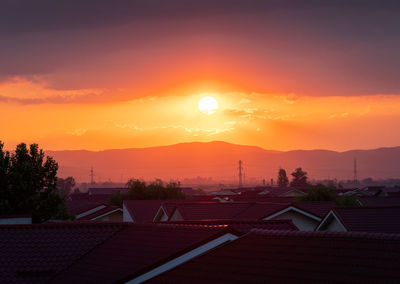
(326, 234)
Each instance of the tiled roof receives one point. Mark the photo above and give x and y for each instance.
(370, 219)
(34, 253)
(105, 210)
(78, 203)
(260, 210)
(380, 201)
(263, 198)
(134, 248)
(143, 210)
(106, 190)
(278, 191)
(243, 226)
(211, 210)
(317, 208)
(294, 257)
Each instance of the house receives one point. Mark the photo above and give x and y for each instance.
(285, 192)
(141, 211)
(265, 256)
(362, 219)
(207, 210)
(243, 226)
(305, 215)
(102, 213)
(93, 207)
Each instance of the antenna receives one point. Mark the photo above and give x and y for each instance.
(91, 176)
(240, 174)
(355, 171)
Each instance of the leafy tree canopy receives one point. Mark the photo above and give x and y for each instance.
(321, 192)
(140, 190)
(299, 178)
(283, 180)
(28, 184)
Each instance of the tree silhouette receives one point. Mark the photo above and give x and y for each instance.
(299, 178)
(28, 184)
(65, 186)
(139, 190)
(321, 192)
(283, 180)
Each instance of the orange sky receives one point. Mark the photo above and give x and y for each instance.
(287, 74)
(272, 121)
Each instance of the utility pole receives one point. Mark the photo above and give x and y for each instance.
(240, 174)
(355, 171)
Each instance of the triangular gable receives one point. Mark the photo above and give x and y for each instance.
(295, 209)
(161, 215)
(175, 216)
(331, 219)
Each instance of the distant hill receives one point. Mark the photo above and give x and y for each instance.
(219, 160)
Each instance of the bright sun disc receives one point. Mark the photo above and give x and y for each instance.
(208, 105)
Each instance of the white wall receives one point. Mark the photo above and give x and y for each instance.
(126, 217)
(15, 221)
(302, 222)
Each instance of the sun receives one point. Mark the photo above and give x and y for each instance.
(208, 105)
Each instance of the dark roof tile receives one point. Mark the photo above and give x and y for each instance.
(294, 256)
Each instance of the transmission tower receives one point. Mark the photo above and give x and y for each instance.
(240, 174)
(355, 171)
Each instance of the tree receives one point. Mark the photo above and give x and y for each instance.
(139, 190)
(28, 184)
(299, 178)
(65, 186)
(283, 180)
(321, 192)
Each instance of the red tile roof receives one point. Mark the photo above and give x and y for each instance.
(317, 208)
(211, 210)
(243, 226)
(370, 219)
(380, 201)
(81, 202)
(261, 210)
(106, 190)
(134, 248)
(143, 211)
(98, 213)
(34, 253)
(294, 257)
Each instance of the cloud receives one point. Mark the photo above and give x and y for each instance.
(195, 131)
(90, 97)
(33, 91)
(77, 132)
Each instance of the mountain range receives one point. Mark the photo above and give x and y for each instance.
(219, 160)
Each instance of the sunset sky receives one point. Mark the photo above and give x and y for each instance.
(119, 74)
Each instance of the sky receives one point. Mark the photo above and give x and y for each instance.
(120, 74)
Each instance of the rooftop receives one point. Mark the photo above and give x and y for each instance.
(294, 256)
